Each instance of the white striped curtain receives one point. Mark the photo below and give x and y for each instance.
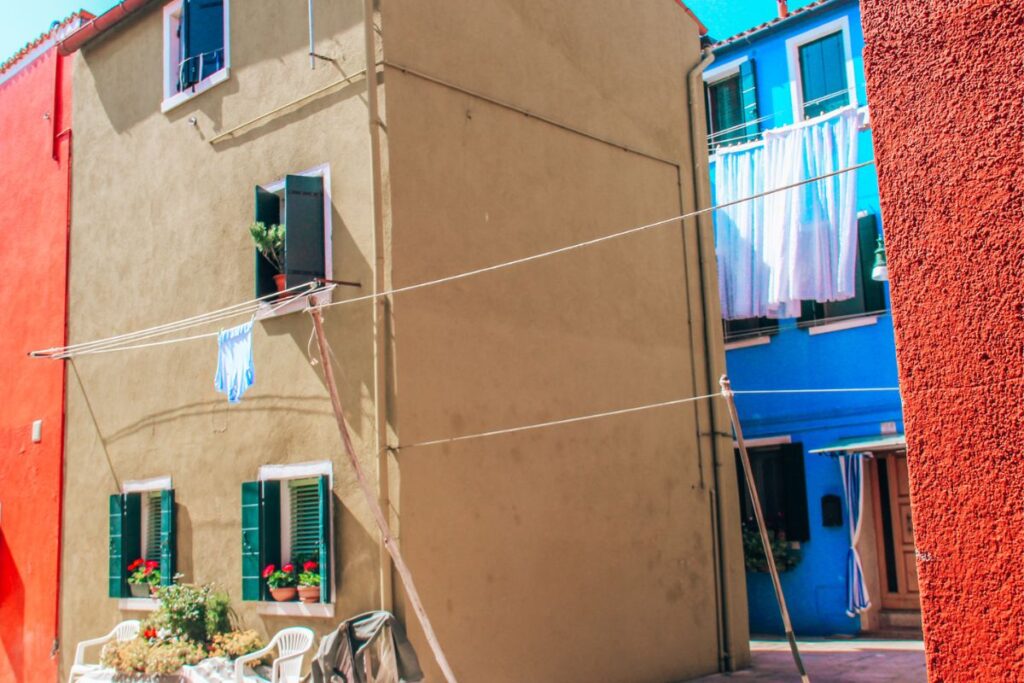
(851, 466)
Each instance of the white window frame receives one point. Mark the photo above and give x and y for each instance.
(173, 98)
(793, 45)
(284, 473)
(143, 486)
(270, 309)
(724, 70)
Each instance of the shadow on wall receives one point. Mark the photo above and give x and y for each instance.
(12, 611)
(130, 83)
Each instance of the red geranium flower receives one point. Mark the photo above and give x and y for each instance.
(152, 564)
(149, 633)
(310, 566)
(288, 568)
(268, 571)
(135, 565)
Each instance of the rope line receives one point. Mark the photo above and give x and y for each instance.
(116, 342)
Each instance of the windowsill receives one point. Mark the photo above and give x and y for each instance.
(138, 604)
(848, 324)
(199, 88)
(272, 309)
(296, 609)
(746, 343)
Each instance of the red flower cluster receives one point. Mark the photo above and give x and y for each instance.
(268, 570)
(149, 633)
(288, 568)
(310, 566)
(149, 565)
(136, 564)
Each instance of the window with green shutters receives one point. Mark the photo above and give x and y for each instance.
(141, 524)
(299, 202)
(823, 78)
(732, 107)
(285, 520)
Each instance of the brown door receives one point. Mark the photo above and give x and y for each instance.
(895, 530)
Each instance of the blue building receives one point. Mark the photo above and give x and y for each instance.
(799, 66)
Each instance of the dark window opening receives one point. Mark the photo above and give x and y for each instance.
(890, 550)
(749, 327)
(299, 206)
(782, 488)
(732, 108)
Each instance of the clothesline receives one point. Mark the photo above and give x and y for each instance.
(634, 409)
(120, 342)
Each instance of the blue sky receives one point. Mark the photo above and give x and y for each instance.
(21, 22)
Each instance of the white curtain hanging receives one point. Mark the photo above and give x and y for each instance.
(851, 467)
(798, 244)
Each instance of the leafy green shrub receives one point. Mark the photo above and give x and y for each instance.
(269, 241)
(786, 558)
(193, 612)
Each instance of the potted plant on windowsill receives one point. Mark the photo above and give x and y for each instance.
(309, 582)
(269, 241)
(145, 577)
(281, 581)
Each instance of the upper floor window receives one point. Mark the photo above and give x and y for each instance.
(821, 69)
(731, 92)
(196, 53)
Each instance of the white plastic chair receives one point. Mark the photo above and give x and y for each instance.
(126, 630)
(291, 643)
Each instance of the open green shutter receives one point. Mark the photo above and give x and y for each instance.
(748, 100)
(268, 211)
(874, 291)
(270, 522)
(324, 491)
(252, 567)
(116, 553)
(168, 538)
(796, 522)
(202, 40)
(304, 228)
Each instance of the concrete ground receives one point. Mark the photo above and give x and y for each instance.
(853, 660)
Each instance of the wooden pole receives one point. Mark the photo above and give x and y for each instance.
(749, 476)
(371, 501)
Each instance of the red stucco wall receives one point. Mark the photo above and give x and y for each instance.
(946, 86)
(33, 246)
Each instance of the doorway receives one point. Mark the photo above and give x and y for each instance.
(895, 528)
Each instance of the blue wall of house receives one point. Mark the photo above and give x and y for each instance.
(859, 357)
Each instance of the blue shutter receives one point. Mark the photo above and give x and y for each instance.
(324, 495)
(168, 538)
(748, 98)
(202, 39)
(268, 211)
(304, 228)
(823, 75)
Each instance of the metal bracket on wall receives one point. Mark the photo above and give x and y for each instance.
(345, 283)
(313, 54)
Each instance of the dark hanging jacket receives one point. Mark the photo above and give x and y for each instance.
(376, 637)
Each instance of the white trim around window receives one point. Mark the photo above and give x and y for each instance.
(724, 70)
(765, 441)
(302, 470)
(793, 60)
(172, 98)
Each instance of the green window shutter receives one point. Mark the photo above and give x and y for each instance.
(305, 520)
(118, 563)
(125, 541)
(168, 538)
(270, 527)
(748, 98)
(268, 211)
(823, 75)
(202, 40)
(725, 111)
(324, 536)
(304, 228)
(794, 505)
(153, 525)
(252, 566)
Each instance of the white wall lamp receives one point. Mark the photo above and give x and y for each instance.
(880, 271)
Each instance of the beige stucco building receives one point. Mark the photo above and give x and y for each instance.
(603, 550)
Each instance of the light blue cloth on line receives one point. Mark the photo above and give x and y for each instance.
(235, 372)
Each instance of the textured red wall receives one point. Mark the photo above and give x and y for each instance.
(33, 248)
(946, 86)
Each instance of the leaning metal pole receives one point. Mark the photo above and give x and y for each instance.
(748, 474)
(371, 498)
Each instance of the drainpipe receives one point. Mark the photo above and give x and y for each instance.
(702, 196)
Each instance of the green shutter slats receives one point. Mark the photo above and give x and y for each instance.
(270, 528)
(153, 526)
(117, 561)
(304, 228)
(823, 75)
(268, 211)
(748, 98)
(305, 521)
(168, 537)
(252, 567)
(324, 539)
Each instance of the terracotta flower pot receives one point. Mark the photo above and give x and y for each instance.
(139, 590)
(309, 593)
(283, 594)
(281, 281)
